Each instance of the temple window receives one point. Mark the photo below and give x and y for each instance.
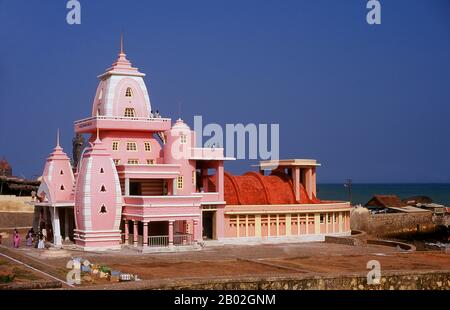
(133, 161)
(132, 146)
(116, 162)
(129, 112)
(180, 182)
(115, 145)
(101, 170)
(148, 146)
(128, 92)
(150, 161)
(61, 172)
(103, 189)
(103, 209)
(62, 187)
(183, 139)
(322, 218)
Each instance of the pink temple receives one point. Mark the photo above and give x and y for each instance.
(144, 183)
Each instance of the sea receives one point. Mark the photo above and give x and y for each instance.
(362, 193)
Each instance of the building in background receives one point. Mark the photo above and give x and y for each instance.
(12, 185)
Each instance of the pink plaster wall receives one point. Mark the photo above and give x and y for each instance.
(108, 137)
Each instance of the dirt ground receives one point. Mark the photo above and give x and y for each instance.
(11, 272)
(309, 259)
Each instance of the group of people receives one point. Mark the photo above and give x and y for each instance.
(155, 115)
(32, 239)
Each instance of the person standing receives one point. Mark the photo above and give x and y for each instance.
(16, 239)
(41, 243)
(29, 238)
(44, 233)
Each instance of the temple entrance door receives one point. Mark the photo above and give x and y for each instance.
(208, 224)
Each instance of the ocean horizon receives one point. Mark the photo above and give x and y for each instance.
(363, 192)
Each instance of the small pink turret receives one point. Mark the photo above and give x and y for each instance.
(57, 179)
(55, 189)
(98, 201)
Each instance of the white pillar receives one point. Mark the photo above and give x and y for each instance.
(127, 187)
(67, 223)
(56, 227)
(174, 186)
(145, 235)
(135, 233)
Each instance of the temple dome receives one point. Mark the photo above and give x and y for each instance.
(122, 91)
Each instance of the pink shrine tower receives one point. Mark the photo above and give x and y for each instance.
(54, 194)
(98, 200)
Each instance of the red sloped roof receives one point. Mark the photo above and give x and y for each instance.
(255, 189)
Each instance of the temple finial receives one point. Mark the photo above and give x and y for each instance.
(121, 43)
(57, 138)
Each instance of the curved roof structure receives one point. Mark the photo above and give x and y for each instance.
(253, 188)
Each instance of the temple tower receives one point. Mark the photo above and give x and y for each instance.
(98, 200)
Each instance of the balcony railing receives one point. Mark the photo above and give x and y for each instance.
(186, 239)
(158, 241)
(122, 118)
(124, 123)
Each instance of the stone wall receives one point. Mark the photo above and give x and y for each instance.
(10, 203)
(357, 238)
(391, 224)
(419, 281)
(11, 220)
(15, 212)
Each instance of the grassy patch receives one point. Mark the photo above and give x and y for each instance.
(24, 274)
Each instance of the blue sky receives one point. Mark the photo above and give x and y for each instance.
(371, 103)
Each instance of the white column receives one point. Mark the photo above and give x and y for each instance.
(56, 227)
(145, 235)
(127, 187)
(67, 223)
(174, 186)
(135, 232)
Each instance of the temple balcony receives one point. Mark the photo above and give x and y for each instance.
(210, 198)
(161, 208)
(89, 125)
(155, 171)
